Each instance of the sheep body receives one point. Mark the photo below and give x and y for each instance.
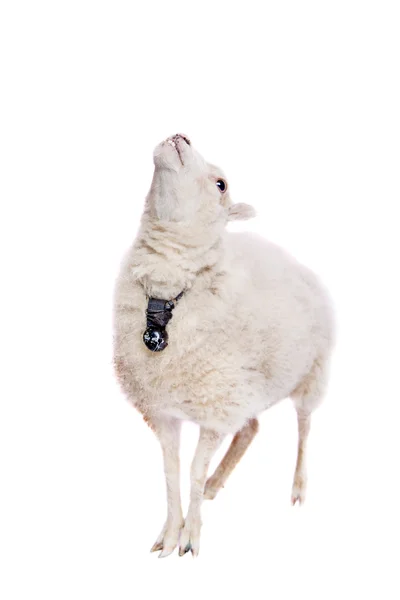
(245, 336)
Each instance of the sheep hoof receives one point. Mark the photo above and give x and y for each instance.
(211, 489)
(298, 494)
(210, 493)
(296, 500)
(190, 538)
(156, 547)
(182, 551)
(166, 552)
(168, 539)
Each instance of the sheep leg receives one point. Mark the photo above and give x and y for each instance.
(307, 396)
(209, 442)
(300, 476)
(168, 432)
(238, 447)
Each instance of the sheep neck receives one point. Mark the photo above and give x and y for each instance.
(170, 257)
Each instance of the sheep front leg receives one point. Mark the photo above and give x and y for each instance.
(168, 432)
(209, 442)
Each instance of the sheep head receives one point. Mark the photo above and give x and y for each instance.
(185, 188)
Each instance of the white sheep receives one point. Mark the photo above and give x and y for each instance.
(252, 327)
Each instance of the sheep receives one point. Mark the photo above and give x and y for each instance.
(213, 327)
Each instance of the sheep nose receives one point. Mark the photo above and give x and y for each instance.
(183, 137)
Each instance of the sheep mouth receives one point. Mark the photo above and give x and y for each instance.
(173, 141)
(185, 138)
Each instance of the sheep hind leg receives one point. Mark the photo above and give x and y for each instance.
(236, 450)
(300, 476)
(306, 397)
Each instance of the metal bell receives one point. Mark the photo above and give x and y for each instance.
(155, 339)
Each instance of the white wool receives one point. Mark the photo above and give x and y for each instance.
(252, 328)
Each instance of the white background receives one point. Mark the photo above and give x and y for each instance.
(299, 103)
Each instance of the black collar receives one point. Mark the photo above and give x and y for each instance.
(158, 314)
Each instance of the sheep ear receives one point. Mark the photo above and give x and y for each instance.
(241, 212)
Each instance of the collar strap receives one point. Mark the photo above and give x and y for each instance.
(158, 314)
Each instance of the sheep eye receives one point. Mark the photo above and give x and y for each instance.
(221, 184)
